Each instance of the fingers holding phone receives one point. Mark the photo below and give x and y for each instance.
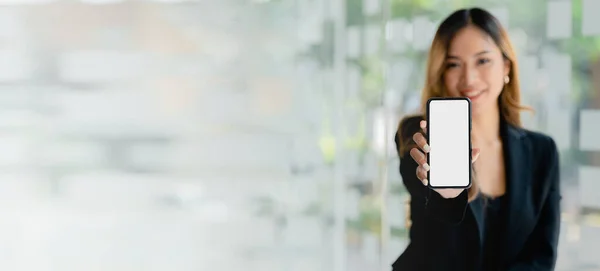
(422, 167)
(419, 154)
(444, 153)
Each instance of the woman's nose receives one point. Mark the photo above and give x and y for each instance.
(469, 77)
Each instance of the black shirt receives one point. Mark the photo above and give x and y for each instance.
(493, 235)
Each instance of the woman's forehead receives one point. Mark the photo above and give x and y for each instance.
(471, 40)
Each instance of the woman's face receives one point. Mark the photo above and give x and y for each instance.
(475, 68)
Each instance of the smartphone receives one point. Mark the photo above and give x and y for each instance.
(449, 136)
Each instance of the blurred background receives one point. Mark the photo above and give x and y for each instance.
(253, 134)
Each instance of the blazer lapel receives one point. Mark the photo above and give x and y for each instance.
(513, 156)
(519, 209)
(519, 206)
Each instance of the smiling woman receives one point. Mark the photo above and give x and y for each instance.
(515, 192)
(473, 68)
(472, 54)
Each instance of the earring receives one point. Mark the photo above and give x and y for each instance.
(506, 79)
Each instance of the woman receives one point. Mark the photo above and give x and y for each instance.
(509, 218)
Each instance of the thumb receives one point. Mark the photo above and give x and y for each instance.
(475, 154)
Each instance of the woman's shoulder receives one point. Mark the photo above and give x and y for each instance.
(544, 152)
(541, 142)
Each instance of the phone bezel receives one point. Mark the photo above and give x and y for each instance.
(469, 133)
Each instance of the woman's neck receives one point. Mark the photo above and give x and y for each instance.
(486, 127)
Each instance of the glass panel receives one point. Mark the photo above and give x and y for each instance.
(252, 135)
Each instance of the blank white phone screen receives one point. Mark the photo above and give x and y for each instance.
(449, 136)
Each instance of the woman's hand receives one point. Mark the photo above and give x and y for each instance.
(420, 156)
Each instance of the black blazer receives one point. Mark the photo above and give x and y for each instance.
(446, 234)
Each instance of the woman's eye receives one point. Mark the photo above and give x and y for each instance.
(451, 65)
(483, 61)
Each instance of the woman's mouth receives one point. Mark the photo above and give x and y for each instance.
(473, 95)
